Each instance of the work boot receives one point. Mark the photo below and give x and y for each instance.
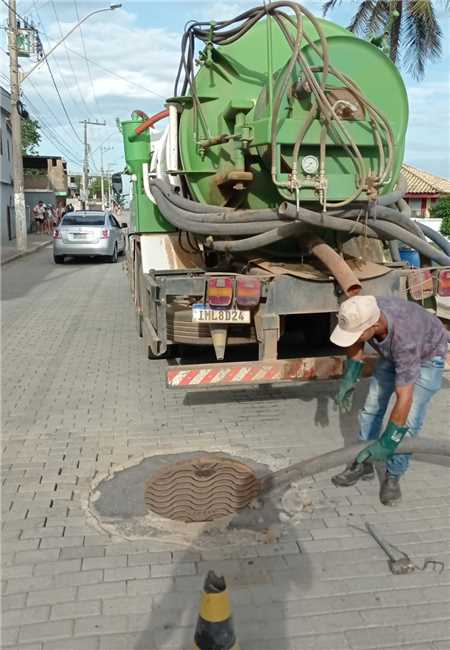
(390, 492)
(353, 473)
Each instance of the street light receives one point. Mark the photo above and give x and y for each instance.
(80, 22)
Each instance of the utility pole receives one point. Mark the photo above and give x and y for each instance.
(16, 132)
(109, 179)
(85, 176)
(102, 173)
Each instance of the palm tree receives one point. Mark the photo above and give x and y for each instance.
(411, 28)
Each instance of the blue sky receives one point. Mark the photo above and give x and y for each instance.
(133, 54)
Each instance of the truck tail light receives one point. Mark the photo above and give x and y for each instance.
(105, 233)
(220, 292)
(248, 292)
(444, 284)
(56, 234)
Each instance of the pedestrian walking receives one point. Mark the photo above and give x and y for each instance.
(39, 216)
(412, 344)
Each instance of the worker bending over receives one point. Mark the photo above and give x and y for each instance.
(412, 344)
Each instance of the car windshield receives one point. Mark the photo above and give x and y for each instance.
(83, 220)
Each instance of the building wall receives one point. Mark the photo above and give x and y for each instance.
(6, 183)
(421, 205)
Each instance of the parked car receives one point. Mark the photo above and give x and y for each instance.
(90, 233)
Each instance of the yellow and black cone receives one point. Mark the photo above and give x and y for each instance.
(214, 629)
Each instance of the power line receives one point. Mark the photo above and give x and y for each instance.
(49, 108)
(61, 101)
(114, 74)
(69, 60)
(41, 30)
(14, 11)
(85, 54)
(50, 133)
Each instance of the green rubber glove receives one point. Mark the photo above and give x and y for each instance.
(344, 396)
(384, 448)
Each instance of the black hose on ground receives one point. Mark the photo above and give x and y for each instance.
(430, 448)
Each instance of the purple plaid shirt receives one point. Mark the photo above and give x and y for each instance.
(414, 336)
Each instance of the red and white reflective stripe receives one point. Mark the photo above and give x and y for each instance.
(256, 372)
(260, 372)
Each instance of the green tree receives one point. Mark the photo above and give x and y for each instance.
(95, 188)
(441, 210)
(31, 136)
(411, 29)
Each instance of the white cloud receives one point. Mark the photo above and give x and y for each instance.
(145, 58)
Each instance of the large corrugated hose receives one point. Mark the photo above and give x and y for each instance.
(384, 229)
(265, 228)
(425, 449)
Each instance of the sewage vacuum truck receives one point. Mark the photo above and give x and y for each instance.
(274, 192)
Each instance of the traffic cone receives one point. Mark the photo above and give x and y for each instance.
(214, 629)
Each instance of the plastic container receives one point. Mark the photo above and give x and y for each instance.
(411, 256)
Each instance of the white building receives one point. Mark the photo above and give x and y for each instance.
(6, 182)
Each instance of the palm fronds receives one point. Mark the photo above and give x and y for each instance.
(422, 37)
(413, 31)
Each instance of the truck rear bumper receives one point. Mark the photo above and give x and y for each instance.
(264, 372)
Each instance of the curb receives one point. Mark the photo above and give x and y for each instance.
(25, 253)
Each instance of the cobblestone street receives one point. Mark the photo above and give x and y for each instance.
(80, 398)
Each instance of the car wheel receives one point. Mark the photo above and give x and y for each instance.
(58, 259)
(113, 258)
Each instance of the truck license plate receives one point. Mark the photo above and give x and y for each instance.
(208, 315)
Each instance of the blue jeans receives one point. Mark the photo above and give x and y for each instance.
(382, 386)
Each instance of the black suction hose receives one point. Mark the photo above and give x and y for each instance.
(383, 229)
(387, 214)
(182, 220)
(396, 196)
(202, 208)
(436, 237)
(430, 448)
(258, 241)
(260, 222)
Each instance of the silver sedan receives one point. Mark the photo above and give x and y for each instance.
(89, 233)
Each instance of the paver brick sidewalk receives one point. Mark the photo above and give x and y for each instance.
(90, 401)
(9, 250)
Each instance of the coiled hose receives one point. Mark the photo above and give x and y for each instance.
(266, 226)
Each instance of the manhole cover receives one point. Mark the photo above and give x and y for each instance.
(201, 489)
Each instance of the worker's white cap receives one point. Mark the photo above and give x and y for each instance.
(355, 316)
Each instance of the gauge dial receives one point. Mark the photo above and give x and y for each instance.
(310, 165)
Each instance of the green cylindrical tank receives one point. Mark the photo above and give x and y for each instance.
(225, 148)
(145, 215)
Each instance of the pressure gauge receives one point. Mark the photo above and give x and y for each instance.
(310, 165)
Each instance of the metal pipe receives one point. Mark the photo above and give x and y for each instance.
(337, 266)
(172, 163)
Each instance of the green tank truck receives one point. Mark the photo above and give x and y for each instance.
(273, 192)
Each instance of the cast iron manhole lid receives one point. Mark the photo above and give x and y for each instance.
(201, 489)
